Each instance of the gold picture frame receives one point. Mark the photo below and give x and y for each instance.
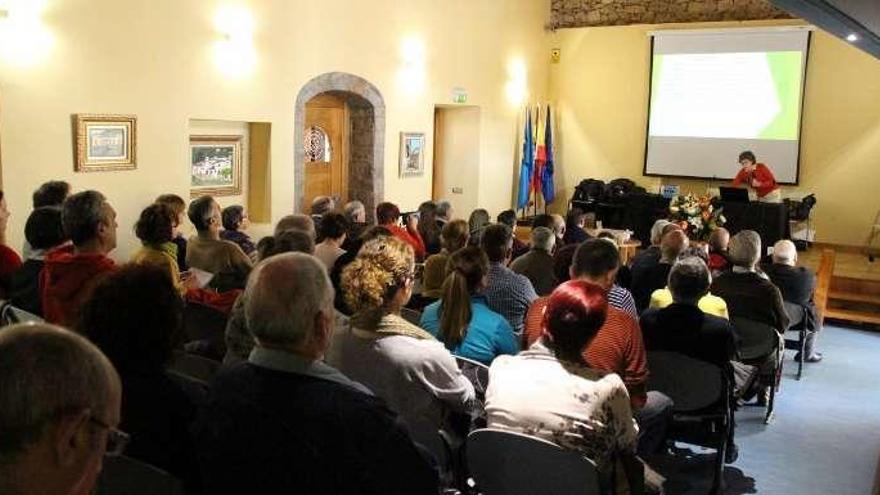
(412, 154)
(104, 142)
(215, 165)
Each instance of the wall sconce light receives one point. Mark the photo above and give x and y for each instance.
(411, 75)
(517, 87)
(234, 52)
(24, 39)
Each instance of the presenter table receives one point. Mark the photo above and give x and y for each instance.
(769, 220)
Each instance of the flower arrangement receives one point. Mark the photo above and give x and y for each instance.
(698, 216)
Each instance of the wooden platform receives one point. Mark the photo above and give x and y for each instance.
(848, 286)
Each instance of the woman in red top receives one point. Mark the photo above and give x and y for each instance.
(9, 259)
(759, 177)
(387, 215)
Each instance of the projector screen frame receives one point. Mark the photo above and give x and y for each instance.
(797, 174)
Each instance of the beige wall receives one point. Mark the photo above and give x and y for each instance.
(455, 163)
(601, 90)
(153, 58)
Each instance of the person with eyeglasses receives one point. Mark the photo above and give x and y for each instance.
(59, 409)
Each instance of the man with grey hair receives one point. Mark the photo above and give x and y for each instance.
(537, 264)
(559, 228)
(71, 273)
(296, 222)
(750, 294)
(322, 205)
(444, 212)
(651, 255)
(797, 285)
(646, 278)
(356, 213)
(208, 252)
(293, 423)
(59, 410)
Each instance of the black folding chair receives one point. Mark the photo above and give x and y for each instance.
(702, 403)
(761, 345)
(126, 476)
(798, 316)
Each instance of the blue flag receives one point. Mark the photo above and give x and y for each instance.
(527, 165)
(548, 189)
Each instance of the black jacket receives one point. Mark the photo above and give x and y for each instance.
(24, 287)
(683, 328)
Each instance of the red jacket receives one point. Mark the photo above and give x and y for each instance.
(67, 281)
(10, 262)
(764, 176)
(411, 238)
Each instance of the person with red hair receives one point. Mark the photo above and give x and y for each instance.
(550, 391)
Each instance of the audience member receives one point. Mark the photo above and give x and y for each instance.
(718, 241)
(178, 206)
(388, 214)
(648, 277)
(291, 422)
(444, 212)
(10, 262)
(543, 220)
(462, 319)
(618, 348)
(135, 317)
(747, 293)
(574, 227)
(540, 390)
(507, 293)
(683, 326)
(235, 223)
(477, 223)
(322, 205)
(537, 264)
(508, 217)
(70, 273)
(239, 340)
(709, 303)
(398, 361)
(562, 262)
(559, 228)
(155, 228)
(651, 255)
(797, 285)
(334, 229)
(624, 274)
(356, 214)
(453, 237)
(43, 232)
(59, 407)
(349, 256)
(207, 252)
(429, 228)
(51, 193)
(299, 222)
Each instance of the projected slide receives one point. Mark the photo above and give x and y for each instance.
(715, 95)
(726, 95)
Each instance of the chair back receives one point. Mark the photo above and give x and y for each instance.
(126, 476)
(756, 339)
(198, 367)
(797, 314)
(692, 384)
(11, 315)
(507, 463)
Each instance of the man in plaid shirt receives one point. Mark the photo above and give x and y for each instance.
(507, 293)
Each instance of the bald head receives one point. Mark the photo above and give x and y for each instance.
(785, 253)
(558, 225)
(673, 244)
(285, 298)
(50, 376)
(296, 222)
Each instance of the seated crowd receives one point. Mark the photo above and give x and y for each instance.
(344, 344)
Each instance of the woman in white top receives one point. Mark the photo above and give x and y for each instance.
(398, 361)
(548, 391)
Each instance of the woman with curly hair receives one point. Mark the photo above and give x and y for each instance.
(397, 360)
(461, 319)
(156, 228)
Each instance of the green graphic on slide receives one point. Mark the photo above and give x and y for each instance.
(656, 70)
(785, 67)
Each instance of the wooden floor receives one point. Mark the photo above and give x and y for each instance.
(848, 264)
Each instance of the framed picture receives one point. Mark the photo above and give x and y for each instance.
(412, 154)
(105, 142)
(215, 165)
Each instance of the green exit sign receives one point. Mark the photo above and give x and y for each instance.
(459, 95)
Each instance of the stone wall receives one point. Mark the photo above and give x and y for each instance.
(581, 13)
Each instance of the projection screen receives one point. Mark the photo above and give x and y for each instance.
(716, 93)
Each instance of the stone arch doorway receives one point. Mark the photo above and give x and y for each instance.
(366, 136)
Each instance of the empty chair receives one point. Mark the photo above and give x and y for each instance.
(506, 463)
(701, 396)
(126, 476)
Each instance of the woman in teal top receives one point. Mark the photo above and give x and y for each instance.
(461, 319)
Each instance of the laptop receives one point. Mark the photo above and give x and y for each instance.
(734, 194)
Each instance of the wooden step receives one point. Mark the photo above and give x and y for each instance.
(863, 297)
(853, 315)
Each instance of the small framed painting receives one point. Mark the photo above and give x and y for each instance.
(412, 154)
(215, 165)
(105, 142)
